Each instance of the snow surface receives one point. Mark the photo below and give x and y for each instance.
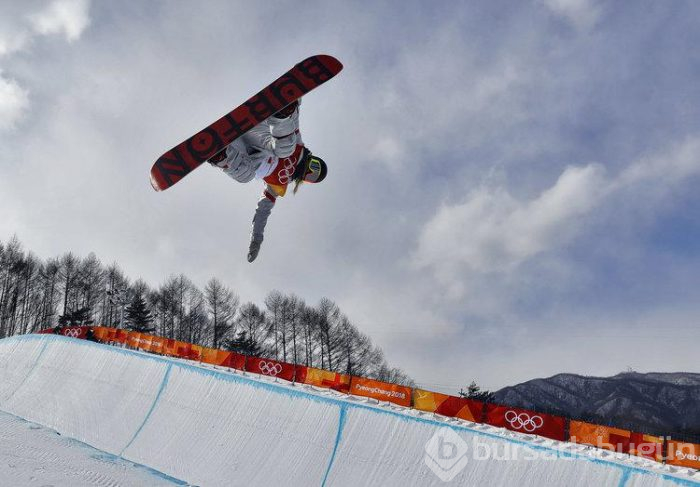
(31, 455)
(210, 426)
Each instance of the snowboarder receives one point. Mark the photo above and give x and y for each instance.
(274, 152)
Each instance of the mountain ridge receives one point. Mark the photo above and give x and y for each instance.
(654, 402)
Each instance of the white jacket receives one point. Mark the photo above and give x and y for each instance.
(257, 154)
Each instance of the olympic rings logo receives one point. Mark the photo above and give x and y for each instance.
(270, 368)
(524, 422)
(286, 173)
(72, 332)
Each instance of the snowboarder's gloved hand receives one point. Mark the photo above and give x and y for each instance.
(219, 159)
(241, 167)
(254, 249)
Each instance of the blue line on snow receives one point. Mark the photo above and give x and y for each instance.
(285, 390)
(150, 411)
(625, 478)
(338, 436)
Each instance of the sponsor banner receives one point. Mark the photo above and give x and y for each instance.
(111, 335)
(46, 331)
(210, 356)
(133, 339)
(683, 454)
(170, 347)
(195, 352)
(221, 357)
(121, 336)
(323, 378)
(382, 391)
(157, 344)
(234, 360)
(179, 349)
(101, 333)
(526, 421)
(141, 341)
(617, 439)
(182, 349)
(270, 368)
(454, 407)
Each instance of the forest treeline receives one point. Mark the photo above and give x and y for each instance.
(70, 290)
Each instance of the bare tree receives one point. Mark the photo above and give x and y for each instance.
(114, 299)
(273, 303)
(68, 273)
(33, 294)
(222, 305)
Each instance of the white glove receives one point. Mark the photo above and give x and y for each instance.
(241, 167)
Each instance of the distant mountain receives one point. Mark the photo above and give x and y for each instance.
(655, 402)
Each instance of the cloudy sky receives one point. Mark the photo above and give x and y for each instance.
(512, 189)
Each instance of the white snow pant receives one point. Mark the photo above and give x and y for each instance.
(274, 137)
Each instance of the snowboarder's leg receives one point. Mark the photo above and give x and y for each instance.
(284, 127)
(236, 161)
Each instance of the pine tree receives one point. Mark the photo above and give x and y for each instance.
(138, 315)
(244, 344)
(79, 317)
(475, 392)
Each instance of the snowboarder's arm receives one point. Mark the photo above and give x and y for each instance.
(262, 212)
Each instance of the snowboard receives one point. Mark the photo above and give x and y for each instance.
(182, 159)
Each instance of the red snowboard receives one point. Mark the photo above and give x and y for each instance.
(292, 85)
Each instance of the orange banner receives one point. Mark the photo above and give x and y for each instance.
(101, 333)
(157, 344)
(133, 339)
(111, 335)
(454, 407)
(121, 336)
(683, 454)
(270, 368)
(170, 347)
(235, 360)
(382, 391)
(616, 439)
(210, 356)
(144, 342)
(196, 352)
(221, 357)
(323, 378)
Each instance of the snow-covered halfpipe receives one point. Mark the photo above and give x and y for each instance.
(208, 426)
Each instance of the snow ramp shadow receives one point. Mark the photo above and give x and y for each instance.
(211, 427)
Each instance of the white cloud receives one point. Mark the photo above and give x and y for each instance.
(14, 101)
(23, 22)
(583, 14)
(11, 42)
(492, 232)
(68, 17)
(681, 162)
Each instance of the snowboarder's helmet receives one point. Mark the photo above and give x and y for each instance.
(315, 169)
